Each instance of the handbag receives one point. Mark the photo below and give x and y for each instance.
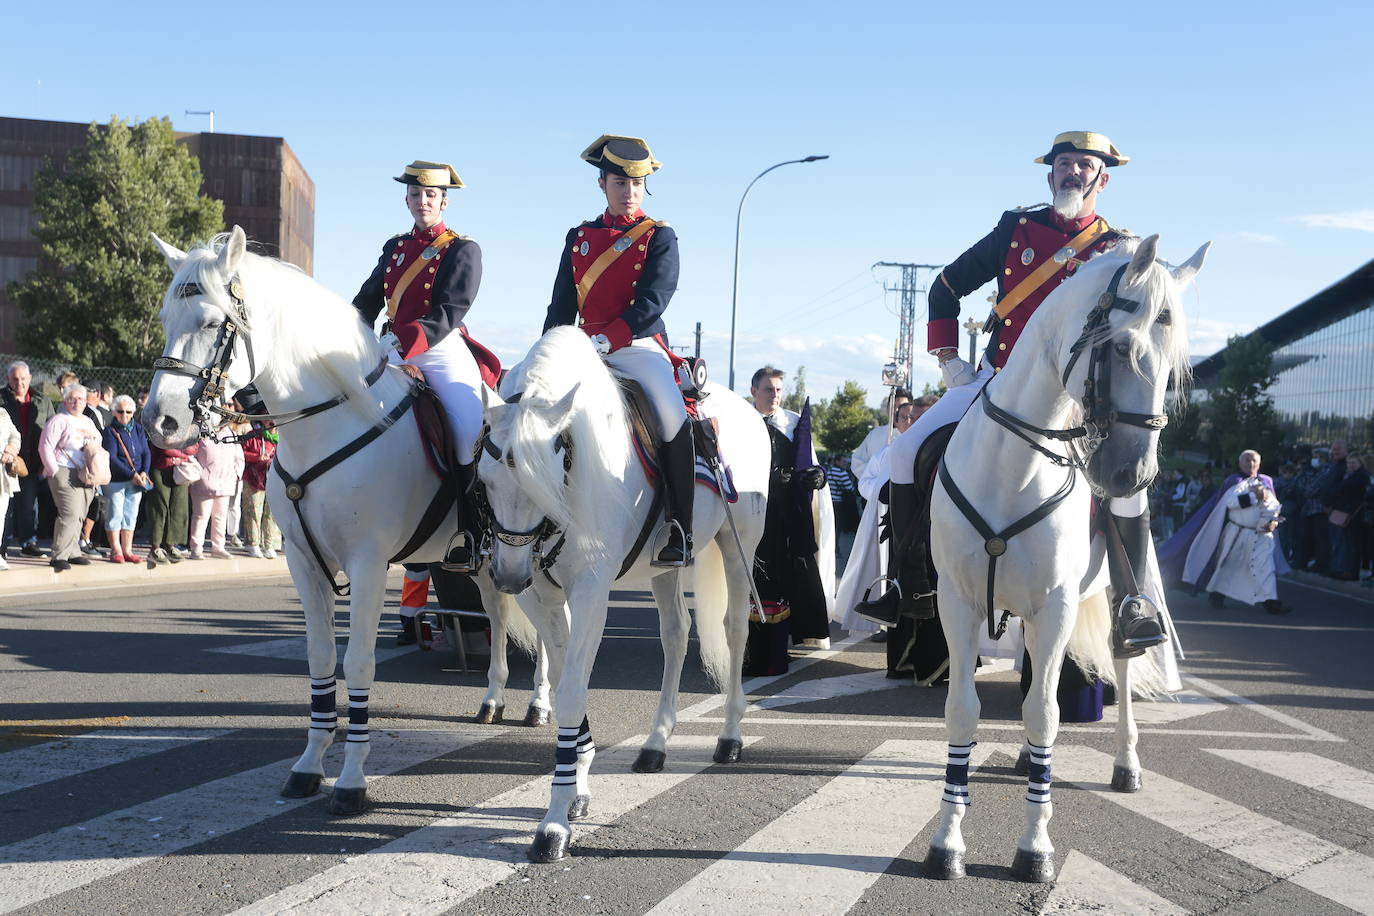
(147, 483)
(96, 472)
(1340, 519)
(17, 468)
(188, 472)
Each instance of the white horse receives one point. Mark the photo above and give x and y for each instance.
(1122, 313)
(569, 499)
(245, 318)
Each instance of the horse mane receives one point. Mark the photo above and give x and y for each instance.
(595, 499)
(312, 326)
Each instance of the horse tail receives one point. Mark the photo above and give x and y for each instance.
(712, 604)
(1090, 646)
(518, 626)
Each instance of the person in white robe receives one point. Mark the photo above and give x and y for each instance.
(1233, 555)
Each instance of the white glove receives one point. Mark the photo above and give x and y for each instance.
(390, 341)
(602, 344)
(957, 372)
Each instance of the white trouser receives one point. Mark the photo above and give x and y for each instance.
(453, 374)
(950, 409)
(647, 363)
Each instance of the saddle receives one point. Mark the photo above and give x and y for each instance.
(432, 422)
(918, 568)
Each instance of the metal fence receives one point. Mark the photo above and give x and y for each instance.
(46, 372)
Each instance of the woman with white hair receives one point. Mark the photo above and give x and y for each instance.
(9, 482)
(131, 461)
(61, 448)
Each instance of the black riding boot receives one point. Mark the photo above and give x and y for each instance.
(409, 632)
(1133, 628)
(463, 553)
(679, 479)
(903, 562)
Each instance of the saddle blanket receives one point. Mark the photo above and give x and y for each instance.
(704, 476)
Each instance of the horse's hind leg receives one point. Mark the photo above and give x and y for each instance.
(318, 603)
(945, 859)
(673, 623)
(360, 668)
(1126, 771)
(541, 706)
(498, 667)
(1046, 639)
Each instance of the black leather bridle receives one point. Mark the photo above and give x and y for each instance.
(547, 527)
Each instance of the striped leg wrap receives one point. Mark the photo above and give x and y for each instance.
(571, 742)
(357, 716)
(323, 714)
(1038, 778)
(956, 774)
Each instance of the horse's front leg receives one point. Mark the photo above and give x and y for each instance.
(673, 622)
(318, 603)
(360, 667)
(1046, 639)
(493, 706)
(738, 572)
(945, 858)
(1126, 771)
(541, 703)
(570, 798)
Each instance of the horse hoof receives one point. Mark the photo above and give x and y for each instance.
(301, 785)
(348, 802)
(1023, 763)
(944, 864)
(490, 714)
(535, 716)
(550, 846)
(581, 806)
(1125, 780)
(729, 750)
(651, 761)
(1035, 867)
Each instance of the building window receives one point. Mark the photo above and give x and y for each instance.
(13, 269)
(16, 172)
(17, 223)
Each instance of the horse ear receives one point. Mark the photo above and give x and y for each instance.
(1185, 272)
(174, 255)
(1142, 259)
(232, 253)
(557, 414)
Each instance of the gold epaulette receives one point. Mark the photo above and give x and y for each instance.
(1028, 207)
(664, 224)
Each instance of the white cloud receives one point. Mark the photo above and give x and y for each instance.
(1360, 220)
(1206, 336)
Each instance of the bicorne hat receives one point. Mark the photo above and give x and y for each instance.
(430, 175)
(1085, 141)
(628, 156)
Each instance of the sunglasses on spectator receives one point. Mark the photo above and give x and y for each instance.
(123, 411)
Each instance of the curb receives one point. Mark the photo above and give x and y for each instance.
(33, 574)
(1360, 591)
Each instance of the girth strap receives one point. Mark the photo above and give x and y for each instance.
(995, 542)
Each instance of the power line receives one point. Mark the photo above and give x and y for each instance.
(906, 317)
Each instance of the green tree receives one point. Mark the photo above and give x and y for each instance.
(1184, 432)
(1240, 411)
(796, 397)
(847, 419)
(95, 297)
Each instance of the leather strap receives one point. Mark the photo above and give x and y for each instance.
(608, 257)
(444, 239)
(1042, 274)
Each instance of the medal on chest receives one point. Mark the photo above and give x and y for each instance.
(622, 243)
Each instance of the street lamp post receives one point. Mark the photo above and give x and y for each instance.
(734, 290)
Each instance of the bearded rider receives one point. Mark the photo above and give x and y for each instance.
(1030, 252)
(616, 274)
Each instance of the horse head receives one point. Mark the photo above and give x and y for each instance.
(1134, 338)
(210, 351)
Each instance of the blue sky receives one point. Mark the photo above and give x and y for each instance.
(1247, 124)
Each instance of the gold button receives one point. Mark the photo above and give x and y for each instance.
(1001, 346)
(426, 302)
(574, 248)
(632, 302)
(1007, 322)
(580, 233)
(1016, 244)
(641, 247)
(431, 270)
(634, 282)
(386, 286)
(388, 270)
(1007, 271)
(996, 369)
(1023, 221)
(638, 266)
(427, 287)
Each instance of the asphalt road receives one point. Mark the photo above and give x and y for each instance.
(144, 736)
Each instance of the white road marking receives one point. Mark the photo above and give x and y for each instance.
(1100, 728)
(1217, 690)
(1182, 705)
(43, 866)
(1311, 770)
(828, 688)
(40, 763)
(825, 852)
(293, 647)
(1278, 849)
(1085, 885)
(438, 866)
(754, 685)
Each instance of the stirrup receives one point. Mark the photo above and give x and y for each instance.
(1130, 647)
(462, 540)
(672, 525)
(893, 596)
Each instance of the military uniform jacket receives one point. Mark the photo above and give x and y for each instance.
(1022, 241)
(627, 301)
(434, 303)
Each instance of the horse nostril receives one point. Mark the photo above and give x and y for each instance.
(167, 425)
(1123, 479)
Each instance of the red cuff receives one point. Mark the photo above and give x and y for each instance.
(942, 333)
(617, 332)
(412, 339)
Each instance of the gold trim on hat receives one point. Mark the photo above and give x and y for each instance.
(635, 168)
(1086, 141)
(431, 175)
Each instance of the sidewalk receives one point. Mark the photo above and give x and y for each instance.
(27, 574)
(1360, 591)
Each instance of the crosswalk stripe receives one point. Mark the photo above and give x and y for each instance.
(33, 766)
(1085, 885)
(293, 647)
(822, 855)
(1311, 770)
(1311, 731)
(53, 863)
(483, 845)
(1285, 852)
